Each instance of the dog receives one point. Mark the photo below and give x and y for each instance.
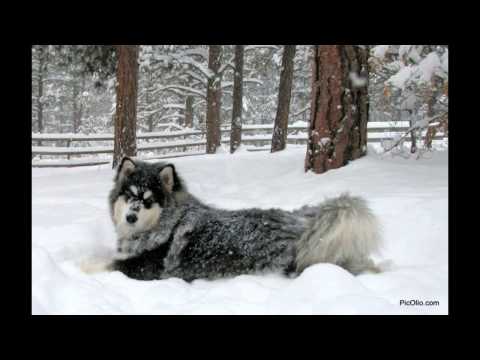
(164, 231)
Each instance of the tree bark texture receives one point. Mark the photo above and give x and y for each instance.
(42, 67)
(437, 85)
(147, 102)
(280, 129)
(78, 104)
(213, 99)
(189, 111)
(236, 127)
(126, 109)
(339, 111)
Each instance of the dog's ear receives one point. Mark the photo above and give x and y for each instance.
(168, 177)
(125, 168)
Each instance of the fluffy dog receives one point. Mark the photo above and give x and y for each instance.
(164, 231)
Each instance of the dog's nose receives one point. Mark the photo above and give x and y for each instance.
(131, 218)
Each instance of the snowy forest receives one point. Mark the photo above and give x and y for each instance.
(251, 131)
(219, 87)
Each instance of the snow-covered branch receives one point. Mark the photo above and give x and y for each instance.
(197, 51)
(197, 65)
(307, 108)
(419, 125)
(185, 90)
(228, 84)
(255, 47)
(176, 115)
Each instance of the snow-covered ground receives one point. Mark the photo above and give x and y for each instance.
(71, 223)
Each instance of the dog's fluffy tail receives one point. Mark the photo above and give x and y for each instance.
(344, 232)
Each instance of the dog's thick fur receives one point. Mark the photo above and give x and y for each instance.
(176, 235)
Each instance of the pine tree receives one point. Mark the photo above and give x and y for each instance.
(280, 129)
(338, 125)
(236, 127)
(213, 99)
(39, 75)
(126, 110)
(189, 111)
(409, 82)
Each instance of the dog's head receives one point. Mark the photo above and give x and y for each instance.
(141, 191)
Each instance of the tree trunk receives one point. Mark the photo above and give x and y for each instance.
(413, 134)
(189, 112)
(41, 75)
(213, 99)
(81, 106)
(218, 110)
(236, 127)
(126, 109)
(150, 123)
(75, 108)
(63, 120)
(280, 129)
(437, 85)
(78, 104)
(305, 101)
(339, 113)
(147, 101)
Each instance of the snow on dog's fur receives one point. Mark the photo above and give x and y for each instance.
(164, 231)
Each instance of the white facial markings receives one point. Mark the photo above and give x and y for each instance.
(134, 190)
(147, 194)
(147, 218)
(119, 209)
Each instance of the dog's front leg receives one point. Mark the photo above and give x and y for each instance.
(139, 243)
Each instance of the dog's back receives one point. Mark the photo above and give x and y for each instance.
(217, 243)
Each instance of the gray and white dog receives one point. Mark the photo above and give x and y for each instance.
(164, 231)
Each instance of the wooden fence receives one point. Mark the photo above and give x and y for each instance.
(176, 143)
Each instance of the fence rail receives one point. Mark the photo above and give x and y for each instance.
(183, 142)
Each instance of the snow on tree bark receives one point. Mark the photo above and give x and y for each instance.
(236, 127)
(126, 109)
(339, 111)
(280, 130)
(213, 99)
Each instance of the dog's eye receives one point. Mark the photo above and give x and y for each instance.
(147, 203)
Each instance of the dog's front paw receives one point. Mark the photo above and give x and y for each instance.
(92, 266)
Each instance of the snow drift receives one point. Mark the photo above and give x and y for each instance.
(71, 224)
